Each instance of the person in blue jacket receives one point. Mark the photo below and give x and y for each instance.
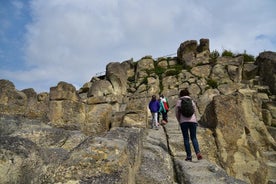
(154, 107)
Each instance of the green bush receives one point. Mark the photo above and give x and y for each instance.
(248, 57)
(213, 56)
(227, 53)
(188, 68)
(144, 81)
(172, 72)
(159, 70)
(150, 71)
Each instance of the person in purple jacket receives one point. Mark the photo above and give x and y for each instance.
(188, 125)
(154, 106)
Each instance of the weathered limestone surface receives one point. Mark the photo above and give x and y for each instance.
(100, 133)
(266, 62)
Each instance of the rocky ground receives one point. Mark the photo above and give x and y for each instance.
(100, 133)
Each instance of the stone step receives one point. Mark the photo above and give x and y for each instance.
(180, 154)
(175, 138)
(272, 131)
(177, 147)
(262, 89)
(174, 132)
(270, 155)
(271, 181)
(177, 130)
(172, 125)
(271, 170)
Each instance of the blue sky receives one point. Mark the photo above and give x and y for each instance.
(43, 42)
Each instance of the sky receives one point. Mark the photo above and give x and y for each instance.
(43, 42)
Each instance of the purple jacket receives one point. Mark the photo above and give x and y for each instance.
(154, 106)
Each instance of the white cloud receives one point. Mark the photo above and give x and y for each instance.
(75, 40)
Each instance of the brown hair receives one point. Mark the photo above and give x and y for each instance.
(184, 92)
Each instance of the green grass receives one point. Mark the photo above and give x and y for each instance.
(212, 83)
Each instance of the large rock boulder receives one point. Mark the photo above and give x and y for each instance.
(117, 75)
(227, 70)
(12, 101)
(111, 158)
(26, 102)
(37, 104)
(144, 66)
(250, 71)
(191, 54)
(237, 133)
(33, 152)
(266, 62)
(65, 108)
(100, 88)
(64, 91)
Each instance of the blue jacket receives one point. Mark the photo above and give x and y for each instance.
(154, 106)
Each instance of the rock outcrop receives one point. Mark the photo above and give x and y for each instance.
(267, 69)
(100, 133)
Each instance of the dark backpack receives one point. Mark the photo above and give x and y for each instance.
(187, 108)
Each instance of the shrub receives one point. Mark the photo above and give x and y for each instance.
(212, 83)
(213, 56)
(150, 71)
(131, 79)
(172, 72)
(188, 68)
(227, 53)
(248, 57)
(177, 67)
(159, 70)
(144, 81)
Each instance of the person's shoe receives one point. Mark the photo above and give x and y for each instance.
(199, 156)
(188, 159)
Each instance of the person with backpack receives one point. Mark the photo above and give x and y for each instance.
(185, 115)
(154, 107)
(164, 108)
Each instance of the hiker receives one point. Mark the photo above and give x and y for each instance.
(164, 108)
(188, 125)
(154, 107)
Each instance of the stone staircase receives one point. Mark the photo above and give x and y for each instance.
(195, 172)
(269, 155)
(176, 146)
(175, 138)
(271, 165)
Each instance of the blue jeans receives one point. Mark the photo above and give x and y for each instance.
(187, 127)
